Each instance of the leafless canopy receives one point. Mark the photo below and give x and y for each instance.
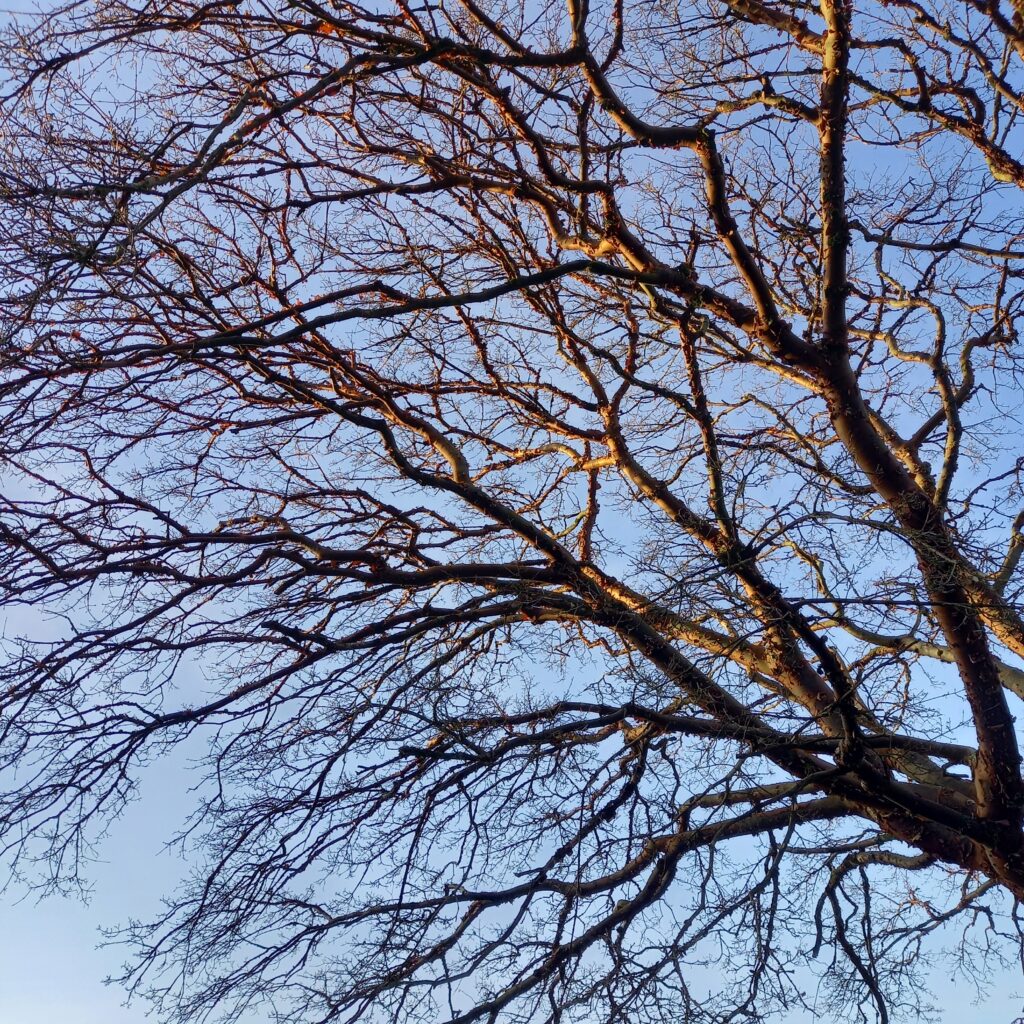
(563, 462)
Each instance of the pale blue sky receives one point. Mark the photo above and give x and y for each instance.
(51, 970)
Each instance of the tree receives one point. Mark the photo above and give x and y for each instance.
(566, 464)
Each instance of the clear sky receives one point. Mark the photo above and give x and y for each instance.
(51, 970)
(51, 966)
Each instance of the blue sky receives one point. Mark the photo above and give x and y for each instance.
(51, 964)
(51, 970)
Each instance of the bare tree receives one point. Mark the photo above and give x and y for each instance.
(566, 462)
